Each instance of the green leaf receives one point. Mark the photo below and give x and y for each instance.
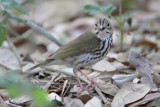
(129, 14)
(7, 7)
(157, 102)
(117, 18)
(109, 8)
(13, 90)
(17, 84)
(92, 9)
(3, 32)
(22, 11)
(15, 4)
(39, 97)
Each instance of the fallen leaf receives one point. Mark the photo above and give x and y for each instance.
(147, 43)
(109, 88)
(122, 79)
(67, 100)
(130, 92)
(121, 57)
(103, 65)
(146, 99)
(153, 58)
(119, 65)
(156, 68)
(143, 68)
(75, 103)
(29, 65)
(54, 96)
(8, 59)
(85, 98)
(22, 100)
(4, 93)
(94, 102)
(156, 78)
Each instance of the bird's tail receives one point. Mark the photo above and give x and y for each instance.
(40, 64)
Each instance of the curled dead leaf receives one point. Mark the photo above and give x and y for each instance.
(130, 92)
(122, 79)
(143, 68)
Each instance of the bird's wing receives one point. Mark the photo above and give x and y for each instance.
(83, 44)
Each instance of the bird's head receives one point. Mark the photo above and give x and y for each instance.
(103, 28)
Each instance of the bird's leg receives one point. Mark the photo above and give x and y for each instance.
(92, 82)
(80, 83)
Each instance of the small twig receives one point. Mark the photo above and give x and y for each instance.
(14, 50)
(66, 89)
(37, 28)
(64, 86)
(50, 82)
(82, 78)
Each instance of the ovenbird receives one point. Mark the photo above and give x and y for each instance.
(86, 50)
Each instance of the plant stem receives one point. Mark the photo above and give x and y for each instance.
(121, 40)
(120, 8)
(37, 28)
(121, 25)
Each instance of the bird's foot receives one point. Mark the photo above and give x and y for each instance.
(92, 82)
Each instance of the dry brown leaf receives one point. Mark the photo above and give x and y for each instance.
(143, 68)
(4, 93)
(119, 65)
(147, 43)
(109, 88)
(153, 58)
(8, 59)
(156, 68)
(75, 103)
(103, 65)
(146, 99)
(84, 97)
(156, 78)
(29, 65)
(121, 57)
(22, 100)
(130, 92)
(94, 102)
(67, 100)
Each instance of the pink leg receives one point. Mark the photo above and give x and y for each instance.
(80, 83)
(92, 82)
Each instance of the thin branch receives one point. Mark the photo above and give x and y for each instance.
(36, 27)
(50, 82)
(14, 50)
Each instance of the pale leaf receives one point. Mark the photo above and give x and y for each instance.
(130, 92)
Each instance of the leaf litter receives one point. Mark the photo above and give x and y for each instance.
(115, 74)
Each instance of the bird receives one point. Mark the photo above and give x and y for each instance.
(85, 50)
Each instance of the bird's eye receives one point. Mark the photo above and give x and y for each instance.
(95, 24)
